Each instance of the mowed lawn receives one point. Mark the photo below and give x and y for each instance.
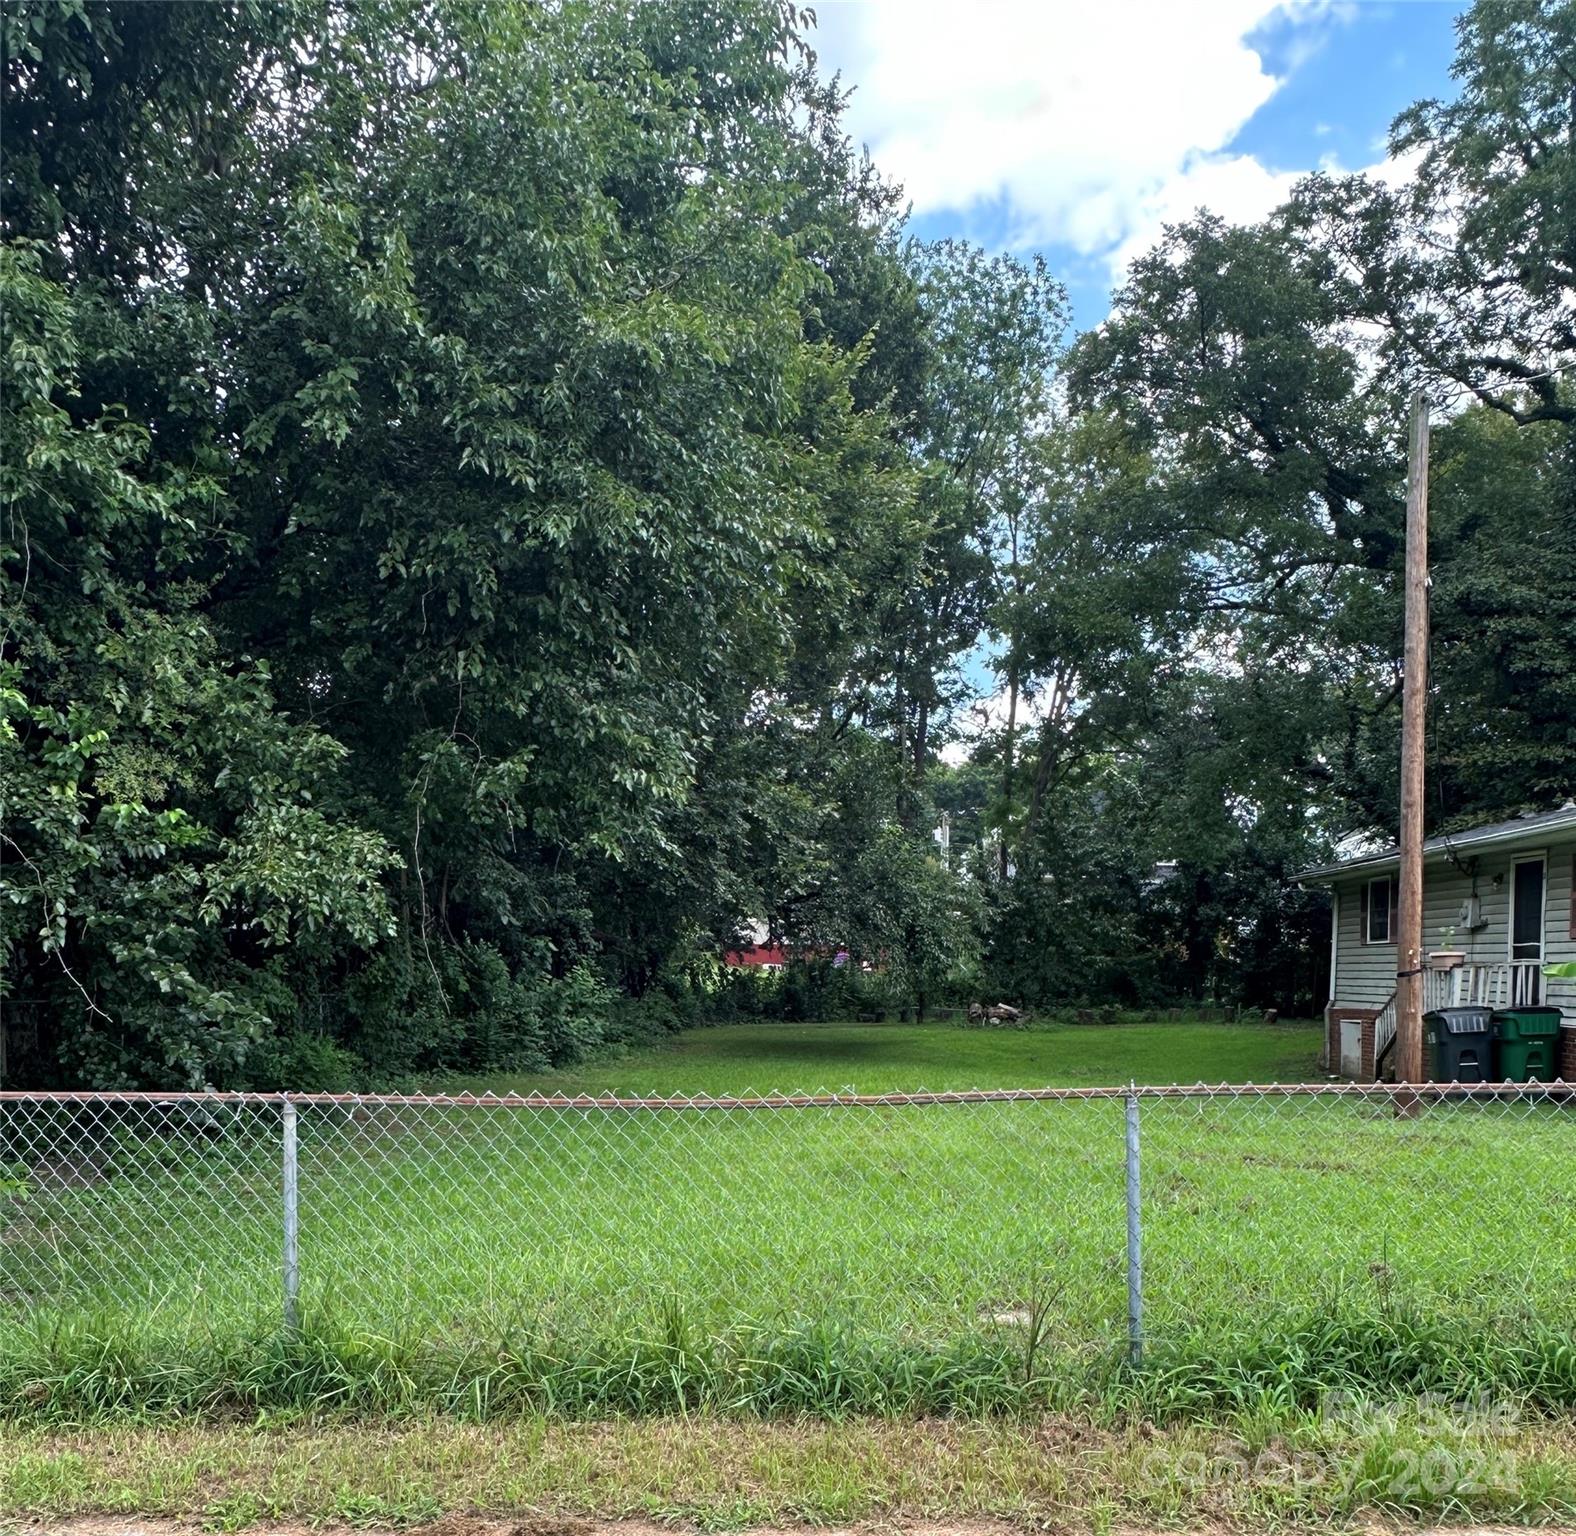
(561, 1230)
(891, 1058)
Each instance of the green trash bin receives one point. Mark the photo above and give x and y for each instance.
(1527, 1044)
(1459, 1044)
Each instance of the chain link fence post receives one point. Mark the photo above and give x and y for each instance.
(1135, 1237)
(291, 1186)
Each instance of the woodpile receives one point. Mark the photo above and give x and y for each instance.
(995, 1013)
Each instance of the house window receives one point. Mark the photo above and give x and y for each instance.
(1381, 899)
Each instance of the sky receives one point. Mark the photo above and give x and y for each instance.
(1078, 128)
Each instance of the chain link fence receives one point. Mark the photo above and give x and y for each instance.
(1101, 1218)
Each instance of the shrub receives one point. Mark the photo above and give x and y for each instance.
(655, 1016)
(575, 1015)
(302, 1063)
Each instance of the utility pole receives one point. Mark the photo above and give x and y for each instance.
(1414, 704)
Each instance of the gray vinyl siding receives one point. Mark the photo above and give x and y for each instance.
(1365, 973)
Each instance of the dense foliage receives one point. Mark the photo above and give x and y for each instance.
(494, 505)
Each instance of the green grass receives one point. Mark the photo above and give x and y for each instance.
(1057, 1473)
(895, 1259)
(879, 1058)
(655, 1314)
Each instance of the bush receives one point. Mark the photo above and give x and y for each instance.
(576, 1012)
(653, 1017)
(302, 1063)
(461, 1008)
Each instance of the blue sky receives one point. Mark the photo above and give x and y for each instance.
(1078, 127)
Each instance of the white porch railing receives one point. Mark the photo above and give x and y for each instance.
(1509, 984)
(1384, 1025)
(1439, 988)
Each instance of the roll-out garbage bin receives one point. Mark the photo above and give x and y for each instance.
(1460, 1044)
(1527, 1044)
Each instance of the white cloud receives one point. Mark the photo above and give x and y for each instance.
(1237, 187)
(1089, 121)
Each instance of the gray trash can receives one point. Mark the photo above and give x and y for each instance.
(1460, 1044)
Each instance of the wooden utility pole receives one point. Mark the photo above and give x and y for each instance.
(1414, 705)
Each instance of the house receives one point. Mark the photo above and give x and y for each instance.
(1499, 904)
(774, 957)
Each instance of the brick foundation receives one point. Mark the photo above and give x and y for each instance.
(1332, 1038)
(1565, 1058)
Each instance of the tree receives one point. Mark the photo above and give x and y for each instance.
(1094, 599)
(1277, 488)
(994, 327)
(1503, 542)
(421, 472)
(1466, 270)
(167, 830)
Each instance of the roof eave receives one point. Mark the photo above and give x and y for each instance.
(1504, 840)
(1328, 874)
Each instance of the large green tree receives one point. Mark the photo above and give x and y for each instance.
(168, 830)
(1464, 271)
(423, 473)
(1244, 407)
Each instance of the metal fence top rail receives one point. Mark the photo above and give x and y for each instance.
(819, 1100)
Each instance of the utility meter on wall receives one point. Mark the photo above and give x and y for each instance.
(1470, 916)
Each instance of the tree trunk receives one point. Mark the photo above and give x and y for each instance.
(1009, 765)
(1009, 750)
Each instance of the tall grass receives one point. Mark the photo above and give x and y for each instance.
(86, 1369)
